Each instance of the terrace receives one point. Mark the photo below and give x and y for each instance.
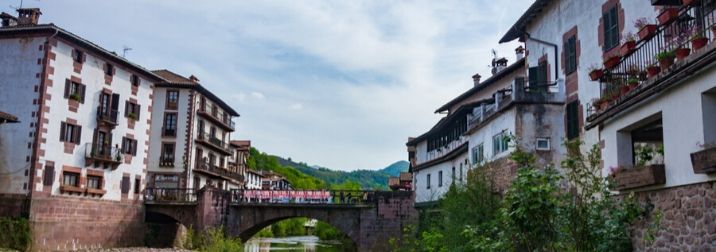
(673, 48)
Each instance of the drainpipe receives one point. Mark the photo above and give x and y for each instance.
(556, 59)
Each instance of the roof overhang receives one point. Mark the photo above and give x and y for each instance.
(518, 29)
(203, 91)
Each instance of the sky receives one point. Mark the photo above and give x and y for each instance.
(339, 84)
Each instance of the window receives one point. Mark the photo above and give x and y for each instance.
(131, 110)
(78, 56)
(537, 77)
(573, 120)
(453, 173)
(167, 156)
(440, 178)
(74, 91)
(70, 133)
(108, 69)
(570, 54)
(611, 28)
(478, 154)
(172, 99)
(124, 185)
(500, 143)
(648, 144)
(137, 185)
(170, 124)
(129, 146)
(543, 144)
(134, 79)
(71, 179)
(94, 182)
(427, 180)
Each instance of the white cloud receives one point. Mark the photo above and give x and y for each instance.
(368, 74)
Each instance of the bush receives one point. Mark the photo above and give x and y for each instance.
(212, 240)
(15, 234)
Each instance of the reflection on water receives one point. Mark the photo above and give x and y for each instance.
(294, 243)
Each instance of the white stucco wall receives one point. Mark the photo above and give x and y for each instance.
(424, 194)
(682, 113)
(157, 139)
(504, 122)
(92, 76)
(18, 67)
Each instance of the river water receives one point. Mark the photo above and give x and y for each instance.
(293, 243)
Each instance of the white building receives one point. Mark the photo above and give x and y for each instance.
(253, 180)
(641, 103)
(82, 138)
(190, 136)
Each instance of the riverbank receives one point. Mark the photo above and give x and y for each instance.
(138, 249)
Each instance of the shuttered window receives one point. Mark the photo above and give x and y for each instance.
(129, 146)
(48, 175)
(131, 110)
(124, 186)
(70, 133)
(570, 54)
(611, 28)
(74, 91)
(573, 120)
(537, 77)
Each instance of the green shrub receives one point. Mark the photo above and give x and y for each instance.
(211, 240)
(15, 234)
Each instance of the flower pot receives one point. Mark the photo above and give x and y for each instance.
(611, 62)
(704, 161)
(682, 53)
(623, 90)
(647, 31)
(690, 2)
(665, 63)
(652, 71)
(699, 43)
(627, 48)
(668, 15)
(639, 177)
(633, 85)
(596, 74)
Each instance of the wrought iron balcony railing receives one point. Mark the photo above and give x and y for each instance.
(107, 115)
(169, 195)
(219, 171)
(103, 153)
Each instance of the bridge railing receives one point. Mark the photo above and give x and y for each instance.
(169, 195)
(321, 197)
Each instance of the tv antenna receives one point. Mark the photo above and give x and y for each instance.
(125, 49)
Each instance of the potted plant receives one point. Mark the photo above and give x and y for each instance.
(75, 96)
(704, 161)
(681, 40)
(698, 40)
(632, 83)
(682, 53)
(132, 115)
(595, 73)
(629, 44)
(668, 15)
(646, 30)
(666, 59)
(652, 70)
(611, 61)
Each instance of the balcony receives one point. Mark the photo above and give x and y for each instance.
(107, 116)
(218, 171)
(166, 161)
(102, 155)
(213, 143)
(216, 118)
(517, 94)
(662, 56)
(169, 132)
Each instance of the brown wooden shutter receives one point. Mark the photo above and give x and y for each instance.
(114, 70)
(48, 175)
(77, 134)
(82, 93)
(124, 144)
(126, 108)
(125, 185)
(139, 109)
(62, 131)
(67, 88)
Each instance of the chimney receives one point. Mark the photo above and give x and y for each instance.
(193, 78)
(8, 20)
(520, 52)
(476, 79)
(28, 16)
(498, 64)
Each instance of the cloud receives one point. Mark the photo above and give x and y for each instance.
(368, 74)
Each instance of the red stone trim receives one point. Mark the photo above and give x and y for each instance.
(571, 79)
(600, 28)
(40, 125)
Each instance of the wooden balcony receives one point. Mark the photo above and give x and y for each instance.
(217, 171)
(214, 143)
(224, 123)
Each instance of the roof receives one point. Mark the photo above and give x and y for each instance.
(492, 80)
(8, 118)
(518, 28)
(50, 29)
(4, 15)
(462, 111)
(241, 144)
(174, 80)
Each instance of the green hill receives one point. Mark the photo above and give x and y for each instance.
(303, 176)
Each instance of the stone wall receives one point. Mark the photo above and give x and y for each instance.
(13, 205)
(68, 223)
(501, 172)
(688, 220)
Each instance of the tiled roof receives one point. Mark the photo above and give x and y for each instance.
(172, 77)
(241, 144)
(174, 80)
(7, 117)
(518, 28)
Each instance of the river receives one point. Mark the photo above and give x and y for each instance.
(293, 243)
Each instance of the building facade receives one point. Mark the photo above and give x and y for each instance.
(253, 180)
(652, 115)
(238, 161)
(82, 139)
(190, 144)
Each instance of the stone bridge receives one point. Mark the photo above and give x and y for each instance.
(369, 218)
